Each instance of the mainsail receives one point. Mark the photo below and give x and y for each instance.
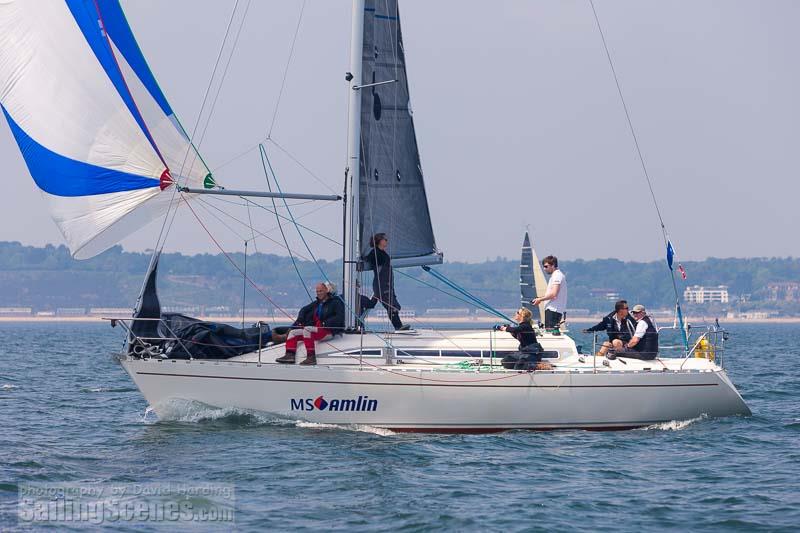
(97, 134)
(392, 191)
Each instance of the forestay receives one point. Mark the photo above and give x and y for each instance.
(392, 191)
(97, 134)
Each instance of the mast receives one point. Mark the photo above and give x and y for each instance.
(352, 244)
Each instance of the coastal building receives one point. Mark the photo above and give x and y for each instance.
(110, 311)
(783, 291)
(71, 311)
(612, 295)
(404, 313)
(460, 311)
(697, 294)
(575, 312)
(16, 311)
(218, 311)
(182, 309)
(752, 315)
(257, 312)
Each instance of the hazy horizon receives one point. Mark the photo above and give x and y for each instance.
(518, 120)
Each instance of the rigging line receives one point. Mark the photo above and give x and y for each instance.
(235, 265)
(461, 290)
(244, 285)
(434, 287)
(166, 226)
(280, 226)
(252, 228)
(630, 122)
(265, 158)
(394, 89)
(644, 167)
(235, 158)
(222, 78)
(203, 201)
(301, 165)
(238, 235)
(268, 210)
(286, 69)
(288, 210)
(210, 84)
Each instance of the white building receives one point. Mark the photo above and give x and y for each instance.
(697, 294)
(15, 311)
(403, 313)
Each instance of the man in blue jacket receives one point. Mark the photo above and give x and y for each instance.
(619, 325)
(318, 321)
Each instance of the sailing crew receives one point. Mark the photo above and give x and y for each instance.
(644, 343)
(378, 260)
(529, 355)
(318, 321)
(620, 327)
(555, 295)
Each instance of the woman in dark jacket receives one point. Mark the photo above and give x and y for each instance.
(530, 351)
(383, 284)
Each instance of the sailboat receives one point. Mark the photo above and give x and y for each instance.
(532, 283)
(118, 158)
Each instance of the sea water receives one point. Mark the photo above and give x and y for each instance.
(70, 418)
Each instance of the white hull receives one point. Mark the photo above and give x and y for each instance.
(437, 397)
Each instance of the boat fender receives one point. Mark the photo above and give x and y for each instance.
(704, 350)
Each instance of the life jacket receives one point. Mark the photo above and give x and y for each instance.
(625, 330)
(648, 345)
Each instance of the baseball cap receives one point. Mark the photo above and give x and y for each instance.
(638, 308)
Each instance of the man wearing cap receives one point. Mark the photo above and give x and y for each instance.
(644, 343)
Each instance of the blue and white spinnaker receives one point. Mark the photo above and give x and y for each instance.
(94, 128)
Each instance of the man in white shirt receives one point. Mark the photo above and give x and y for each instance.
(555, 295)
(644, 343)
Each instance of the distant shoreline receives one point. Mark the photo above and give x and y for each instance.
(418, 321)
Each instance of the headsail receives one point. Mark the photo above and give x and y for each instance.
(532, 282)
(97, 134)
(392, 191)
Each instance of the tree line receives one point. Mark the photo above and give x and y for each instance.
(47, 277)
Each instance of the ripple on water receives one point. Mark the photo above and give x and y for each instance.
(85, 422)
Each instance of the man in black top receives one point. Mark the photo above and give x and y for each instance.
(620, 328)
(379, 261)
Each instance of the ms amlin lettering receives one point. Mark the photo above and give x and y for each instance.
(362, 403)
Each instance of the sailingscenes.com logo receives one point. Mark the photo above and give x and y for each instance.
(360, 404)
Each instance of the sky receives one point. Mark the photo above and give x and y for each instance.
(518, 119)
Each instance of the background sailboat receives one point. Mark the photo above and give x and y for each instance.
(532, 282)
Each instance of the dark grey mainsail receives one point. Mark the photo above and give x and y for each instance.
(531, 278)
(392, 191)
(527, 287)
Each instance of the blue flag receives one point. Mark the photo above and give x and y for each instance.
(670, 254)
